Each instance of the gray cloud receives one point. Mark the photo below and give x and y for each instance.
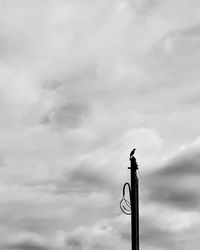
(191, 33)
(74, 243)
(83, 179)
(95, 237)
(89, 176)
(153, 236)
(67, 116)
(177, 183)
(97, 70)
(27, 245)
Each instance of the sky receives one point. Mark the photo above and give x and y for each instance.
(82, 83)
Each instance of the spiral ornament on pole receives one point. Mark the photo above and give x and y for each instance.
(125, 204)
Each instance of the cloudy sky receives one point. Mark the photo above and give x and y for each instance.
(82, 82)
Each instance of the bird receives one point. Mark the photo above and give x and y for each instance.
(132, 153)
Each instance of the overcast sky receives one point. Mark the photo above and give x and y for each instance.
(82, 82)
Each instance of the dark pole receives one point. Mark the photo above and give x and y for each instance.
(132, 207)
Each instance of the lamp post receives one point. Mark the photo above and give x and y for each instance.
(131, 206)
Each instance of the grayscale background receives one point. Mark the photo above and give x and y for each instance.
(83, 82)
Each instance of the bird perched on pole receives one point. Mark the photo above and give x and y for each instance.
(132, 153)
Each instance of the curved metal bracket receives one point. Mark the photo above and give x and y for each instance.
(125, 205)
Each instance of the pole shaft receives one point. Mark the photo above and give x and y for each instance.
(134, 206)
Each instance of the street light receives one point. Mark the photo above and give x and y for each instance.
(131, 206)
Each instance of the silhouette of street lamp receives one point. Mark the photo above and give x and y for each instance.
(131, 206)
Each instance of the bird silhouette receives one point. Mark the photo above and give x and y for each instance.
(132, 153)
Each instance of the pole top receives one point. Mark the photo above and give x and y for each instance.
(132, 159)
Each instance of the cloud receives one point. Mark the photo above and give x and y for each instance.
(27, 245)
(176, 183)
(170, 228)
(84, 179)
(67, 116)
(25, 240)
(153, 236)
(81, 83)
(98, 236)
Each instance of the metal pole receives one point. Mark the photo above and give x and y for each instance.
(132, 207)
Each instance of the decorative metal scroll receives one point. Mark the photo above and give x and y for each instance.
(125, 204)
